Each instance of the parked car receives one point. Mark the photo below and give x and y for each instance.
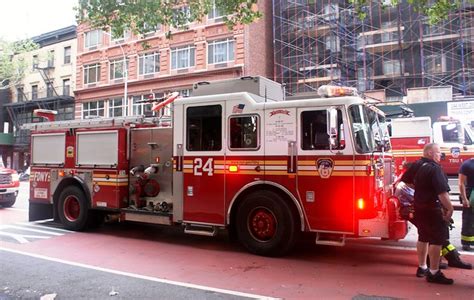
(9, 185)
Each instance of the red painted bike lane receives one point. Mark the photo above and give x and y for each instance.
(311, 272)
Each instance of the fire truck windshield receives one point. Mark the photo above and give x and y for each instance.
(369, 129)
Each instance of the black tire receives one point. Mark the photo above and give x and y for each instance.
(73, 209)
(265, 224)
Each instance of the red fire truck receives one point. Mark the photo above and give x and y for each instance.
(236, 155)
(410, 135)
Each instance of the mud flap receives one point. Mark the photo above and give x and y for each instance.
(40, 211)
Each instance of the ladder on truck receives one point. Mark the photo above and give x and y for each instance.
(164, 121)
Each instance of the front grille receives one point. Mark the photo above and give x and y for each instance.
(5, 178)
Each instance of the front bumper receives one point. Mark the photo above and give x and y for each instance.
(8, 194)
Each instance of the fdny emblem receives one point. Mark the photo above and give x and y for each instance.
(455, 151)
(324, 166)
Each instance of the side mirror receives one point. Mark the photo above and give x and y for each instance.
(443, 156)
(332, 128)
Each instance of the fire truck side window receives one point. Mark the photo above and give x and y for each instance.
(244, 132)
(314, 130)
(450, 133)
(204, 128)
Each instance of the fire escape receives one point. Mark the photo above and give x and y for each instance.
(21, 111)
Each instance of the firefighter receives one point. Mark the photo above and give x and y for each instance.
(466, 189)
(432, 210)
(405, 193)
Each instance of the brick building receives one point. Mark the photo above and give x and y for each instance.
(206, 51)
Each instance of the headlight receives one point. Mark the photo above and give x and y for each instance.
(15, 177)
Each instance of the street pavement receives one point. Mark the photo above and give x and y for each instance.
(153, 262)
(75, 281)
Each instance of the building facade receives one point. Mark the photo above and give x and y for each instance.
(48, 83)
(205, 51)
(390, 51)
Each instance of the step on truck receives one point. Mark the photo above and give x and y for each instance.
(234, 156)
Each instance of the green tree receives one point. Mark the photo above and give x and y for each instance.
(435, 10)
(140, 16)
(12, 67)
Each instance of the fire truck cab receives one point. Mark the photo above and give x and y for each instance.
(233, 156)
(410, 135)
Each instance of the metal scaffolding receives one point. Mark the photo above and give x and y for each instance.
(394, 48)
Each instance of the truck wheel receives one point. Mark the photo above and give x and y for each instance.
(73, 209)
(265, 224)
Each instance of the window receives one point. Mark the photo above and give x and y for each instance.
(330, 12)
(117, 107)
(389, 36)
(244, 132)
(92, 38)
(451, 133)
(93, 109)
(182, 58)
(315, 132)
(49, 89)
(51, 59)
(67, 55)
(66, 87)
(139, 109)
(20, 94)
(91, 73)
(34, 92)
(215, 12)
(435, 63)
(65, 113)
(149, 63)
(149, 29)
(332, 43)
(220, 51)
(182, 14)
(185, 92)
(35, 62)
(118, 69)
(392, 67)
(437, 29)
(204, 128)
(125, 35)
(369, 129)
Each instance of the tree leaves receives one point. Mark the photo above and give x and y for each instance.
(12, 67)
(435, 10)
(141, 16)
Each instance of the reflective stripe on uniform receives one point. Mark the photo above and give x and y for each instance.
(467, 238)
(447, 249)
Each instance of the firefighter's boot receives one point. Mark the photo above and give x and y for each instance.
(454, 259)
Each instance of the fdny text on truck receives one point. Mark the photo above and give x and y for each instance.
(234, 156)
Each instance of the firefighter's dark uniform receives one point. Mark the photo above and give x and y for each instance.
(467, 232)
(426, 188)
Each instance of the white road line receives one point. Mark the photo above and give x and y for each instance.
(17, 209)
(21, 238)
(155, 279)
(33, 230)
(33, 224)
